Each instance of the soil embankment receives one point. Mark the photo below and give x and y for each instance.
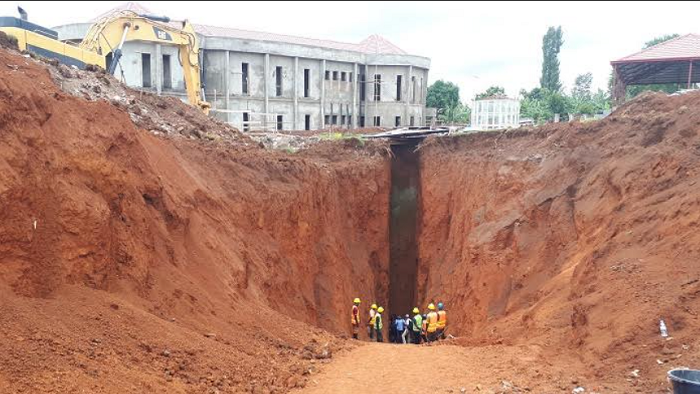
(575, 237)
(178, 259)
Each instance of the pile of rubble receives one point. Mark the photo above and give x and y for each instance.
(161, 115)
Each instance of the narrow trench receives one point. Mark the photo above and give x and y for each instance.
(403, 227)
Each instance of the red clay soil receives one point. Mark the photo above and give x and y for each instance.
(134, 263)
(190, 262)
(575, 238)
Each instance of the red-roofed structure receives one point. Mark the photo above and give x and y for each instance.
(129, 6)
(673, 61)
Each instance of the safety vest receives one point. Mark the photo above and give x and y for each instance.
(355, 317)
(432, 321)
(372, 316)
(417, 323)
(378, 321)
(442, 319)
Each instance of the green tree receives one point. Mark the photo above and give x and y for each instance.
(582, 87)
(581, 96)
(601, 101)
(492, 91)
(558, 103)
(635, 90)
(442, 95)
(551, 46)
(457, 114)
(533, 105)
(541, 105)
(659, 40)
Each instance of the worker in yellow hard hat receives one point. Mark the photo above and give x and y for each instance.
(416, 326)
(355, 318)
(432, 325)
(371, 321)
(378, 324)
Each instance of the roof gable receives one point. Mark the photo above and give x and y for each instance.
(680, 48)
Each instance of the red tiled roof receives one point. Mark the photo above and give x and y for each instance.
(130, 6)
(373, 44)
(680, 48)
(378, 44)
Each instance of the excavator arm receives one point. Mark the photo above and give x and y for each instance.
(109, 35)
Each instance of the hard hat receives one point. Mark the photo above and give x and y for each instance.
(407, 316)
(374, 306)
(431, 306)
(440, 305)
(415, 310)
(380, 309)
(357, 301)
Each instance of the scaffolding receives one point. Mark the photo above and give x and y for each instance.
(257, 121)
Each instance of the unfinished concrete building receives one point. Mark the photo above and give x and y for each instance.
(269, 81)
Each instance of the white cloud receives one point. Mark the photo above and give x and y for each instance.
(475, 44)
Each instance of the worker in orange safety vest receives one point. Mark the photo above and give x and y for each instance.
(442, 321)
(432, 323)
(355, 318)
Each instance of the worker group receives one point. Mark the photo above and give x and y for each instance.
(427, 327)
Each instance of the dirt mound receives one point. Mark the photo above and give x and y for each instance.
(576, 237)
(161, 115)
(135, 263)
(8, 42)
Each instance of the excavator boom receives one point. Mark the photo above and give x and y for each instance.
(110, 34)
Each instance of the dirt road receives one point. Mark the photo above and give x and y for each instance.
(381, 368)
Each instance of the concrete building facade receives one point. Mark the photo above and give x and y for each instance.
(270, 81)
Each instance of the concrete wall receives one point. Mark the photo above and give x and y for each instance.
(131, 69)
(72, 32)
(389, 107)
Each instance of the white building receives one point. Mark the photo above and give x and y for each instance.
(495, 113)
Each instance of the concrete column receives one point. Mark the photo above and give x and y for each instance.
(295, 118)
(368, 93)
(408, 96)
(355, 111)
(158, 61)
(266, 84)
(619, 88)
(424, 92)
(227, 83)
(323, 92)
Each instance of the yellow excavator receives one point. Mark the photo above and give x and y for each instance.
(102, 45)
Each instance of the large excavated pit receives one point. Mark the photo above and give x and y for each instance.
(144, 258)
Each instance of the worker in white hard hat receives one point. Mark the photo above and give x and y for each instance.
(355, 318)
(370, 322)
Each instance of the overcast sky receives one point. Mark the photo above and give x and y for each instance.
(473, 44)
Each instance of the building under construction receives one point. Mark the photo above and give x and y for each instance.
(270, 81)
